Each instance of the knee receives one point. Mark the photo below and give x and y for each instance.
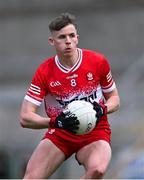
(96, 172)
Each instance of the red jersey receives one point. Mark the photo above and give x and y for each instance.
(58, 86)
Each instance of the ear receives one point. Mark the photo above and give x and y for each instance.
(51, 41)
(77, 38)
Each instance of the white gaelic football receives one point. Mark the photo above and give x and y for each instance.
(86, 115)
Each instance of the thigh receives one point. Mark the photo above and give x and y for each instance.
(95, 154)
(45, 160)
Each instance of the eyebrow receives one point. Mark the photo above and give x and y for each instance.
(67, 34)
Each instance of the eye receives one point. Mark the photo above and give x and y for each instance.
(72, 35)
(62, 36)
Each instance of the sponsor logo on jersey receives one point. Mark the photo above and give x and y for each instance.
(72, 76)
(55, 83)
(89, 76)
(85, 98)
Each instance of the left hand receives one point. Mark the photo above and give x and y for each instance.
(100, 108)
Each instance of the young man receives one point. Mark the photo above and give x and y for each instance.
(72, 74)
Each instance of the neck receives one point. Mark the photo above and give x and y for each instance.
(68, 60)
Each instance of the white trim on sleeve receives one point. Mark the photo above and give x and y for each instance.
(28, 98)
(109, 89)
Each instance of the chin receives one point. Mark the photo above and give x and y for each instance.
(68, 54)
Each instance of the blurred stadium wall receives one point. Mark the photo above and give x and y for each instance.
(113, 27)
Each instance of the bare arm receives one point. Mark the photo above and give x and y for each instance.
(112, 101)
(29, 117)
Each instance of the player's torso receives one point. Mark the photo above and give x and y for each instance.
(80, 82)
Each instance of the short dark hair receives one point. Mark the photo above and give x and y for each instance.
(61, 21)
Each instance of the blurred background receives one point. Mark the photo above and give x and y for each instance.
(112, 27)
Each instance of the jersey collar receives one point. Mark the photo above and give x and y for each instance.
(75, 66)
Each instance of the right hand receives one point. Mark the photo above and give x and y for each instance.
(65, 120)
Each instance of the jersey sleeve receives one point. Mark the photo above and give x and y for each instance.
(107, 81)
(37, 90)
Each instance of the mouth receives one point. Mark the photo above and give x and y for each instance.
(68, 50)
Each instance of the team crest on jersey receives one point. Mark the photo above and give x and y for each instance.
(89, 76)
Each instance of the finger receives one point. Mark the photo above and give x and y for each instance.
(77, 122)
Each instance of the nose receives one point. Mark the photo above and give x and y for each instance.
(68, 40)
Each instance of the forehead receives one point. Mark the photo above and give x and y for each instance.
(65, 30)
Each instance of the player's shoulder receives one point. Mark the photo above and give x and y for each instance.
(47, 64)
(97, 56)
